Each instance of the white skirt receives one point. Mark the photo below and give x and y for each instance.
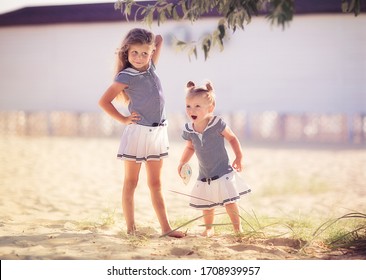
(227, 189)
(143, 143)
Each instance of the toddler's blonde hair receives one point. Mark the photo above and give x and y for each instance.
(206, 91)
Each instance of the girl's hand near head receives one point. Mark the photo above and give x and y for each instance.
(158, 40)
(158, 45)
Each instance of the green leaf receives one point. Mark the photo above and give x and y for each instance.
(149, 18)
(192, 51)
(352, 5)
(206, 45)
(175, 13)
(344, 6)
(235, 14)
(161, 16)
(185, 8)
(169, 10)
(180, 43)
(118, 5)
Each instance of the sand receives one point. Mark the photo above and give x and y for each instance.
(60, 198)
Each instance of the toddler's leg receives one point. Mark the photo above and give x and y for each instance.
(132, 171)
(208, 217)
(233, 212)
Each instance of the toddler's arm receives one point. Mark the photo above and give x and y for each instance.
(235, 145)
(186, 155)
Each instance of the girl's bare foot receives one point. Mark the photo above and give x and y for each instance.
(208, 232)
(175, 234)
(131, 231)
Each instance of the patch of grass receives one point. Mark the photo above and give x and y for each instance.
(348, 231)
(300, 227)
(136, 240)
(183, 220)
(222, 223)
(296, 184)
(105, 220)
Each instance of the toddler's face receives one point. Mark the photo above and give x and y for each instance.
(198, 108)
(139, 56)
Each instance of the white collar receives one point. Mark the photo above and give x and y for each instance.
(134, 72)
(189, 126)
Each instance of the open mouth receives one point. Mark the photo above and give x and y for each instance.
(193, 117)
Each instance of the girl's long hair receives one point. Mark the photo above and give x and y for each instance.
(134, 36)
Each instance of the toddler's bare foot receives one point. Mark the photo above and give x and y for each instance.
(208, 232)
(238, 230)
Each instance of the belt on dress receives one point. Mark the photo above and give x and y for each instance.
(208, 180)
(158, 124)
(162, 123)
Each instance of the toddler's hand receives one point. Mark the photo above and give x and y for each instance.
(238, 165)
(185, 172)
(180, 169)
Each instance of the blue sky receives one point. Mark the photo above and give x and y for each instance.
(9, 5)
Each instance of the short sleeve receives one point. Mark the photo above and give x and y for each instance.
(186, 135)
(221, 125)
(153, 66)
(123, 77)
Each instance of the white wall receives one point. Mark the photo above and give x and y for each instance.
(317, 64)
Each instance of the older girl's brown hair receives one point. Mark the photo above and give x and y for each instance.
(133, 37)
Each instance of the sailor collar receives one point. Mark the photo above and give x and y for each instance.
(189, 126)
(134, 72)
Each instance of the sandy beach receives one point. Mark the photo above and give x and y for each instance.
(61, 199)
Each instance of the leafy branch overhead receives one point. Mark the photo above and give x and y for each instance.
(233, 15)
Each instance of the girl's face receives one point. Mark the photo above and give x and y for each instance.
(139, 56)
(198, 109)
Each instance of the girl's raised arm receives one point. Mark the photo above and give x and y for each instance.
(158, 45)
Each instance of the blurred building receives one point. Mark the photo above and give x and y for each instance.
(61, 58)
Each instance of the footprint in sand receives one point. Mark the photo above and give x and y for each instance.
(179, 252)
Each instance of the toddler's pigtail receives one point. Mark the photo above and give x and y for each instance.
(210, 93)
(190, 84)
(209, 86)
(205, 91)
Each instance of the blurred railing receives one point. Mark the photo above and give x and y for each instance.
(266, 127)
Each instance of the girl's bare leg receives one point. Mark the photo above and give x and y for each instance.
(132, 171)
(153, 171)
(208, 217)
(233, 212)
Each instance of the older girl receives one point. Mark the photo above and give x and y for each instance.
(144, 139)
